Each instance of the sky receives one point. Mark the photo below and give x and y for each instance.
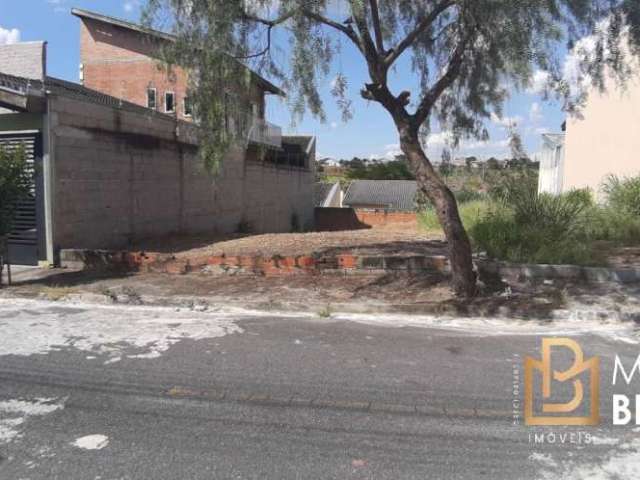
(369, 134)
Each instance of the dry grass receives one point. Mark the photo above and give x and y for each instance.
(55, 292)
(403, 239)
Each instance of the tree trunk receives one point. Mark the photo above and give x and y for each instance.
(430, 183)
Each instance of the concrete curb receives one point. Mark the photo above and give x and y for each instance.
(558, 272)
(344, 263)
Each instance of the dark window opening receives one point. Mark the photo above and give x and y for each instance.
(188, 107)
(169, 102)
(151, 98)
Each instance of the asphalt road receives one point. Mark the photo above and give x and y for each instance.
(147, 393)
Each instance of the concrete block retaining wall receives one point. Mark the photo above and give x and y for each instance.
(121, 176)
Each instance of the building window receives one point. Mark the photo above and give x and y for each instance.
(188, 107)
(169, 102)
(151, 98)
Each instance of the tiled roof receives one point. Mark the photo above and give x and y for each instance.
(388, 194)
(266, 84)
(320, 192)
(76, 91)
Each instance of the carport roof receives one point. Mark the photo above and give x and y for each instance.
(389, 194)
(26, 87)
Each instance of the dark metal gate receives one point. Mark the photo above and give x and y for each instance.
(26, 242)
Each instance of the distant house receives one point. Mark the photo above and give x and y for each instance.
(551, 158)
(370, 203)
(328, 195)
(605, 140)
(388, 195)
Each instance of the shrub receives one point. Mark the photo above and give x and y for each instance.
(510, 183)
(623, 194)
(464, 195)
(14, 184)
(531, 228)
(501, 236)
(612, 225)
(470, 214)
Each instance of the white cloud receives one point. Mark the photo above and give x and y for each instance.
(573, 71)
(539, 82)
(506, 122)
(439, 139)
(535, 112)
(334, 125)
(58, 5)
(131, 5)
(389, 152)
(9, 36)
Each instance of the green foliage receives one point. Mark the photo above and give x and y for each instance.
(378, 170)
(506, 183)
(483, 45)
(471, 213)
(14, 185)
(623, 194)
(501, 235)
(613, 225)
(465, 196)
(534, 228)
(540, 228)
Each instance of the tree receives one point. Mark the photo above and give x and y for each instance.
(463, 53)
(493, 164)
(445, 163)
(15, 182)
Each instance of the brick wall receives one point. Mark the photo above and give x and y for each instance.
(121, 177)
(336, 219)
(26, 59)
(384, 217)
(123, 63)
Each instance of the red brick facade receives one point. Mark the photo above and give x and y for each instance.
(123, 63)
(376, 218)
(337, 219)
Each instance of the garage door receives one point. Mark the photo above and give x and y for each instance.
(24, 240)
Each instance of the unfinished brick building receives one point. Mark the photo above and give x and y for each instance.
(109, 171)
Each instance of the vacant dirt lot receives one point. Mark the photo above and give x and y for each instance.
(393, 239)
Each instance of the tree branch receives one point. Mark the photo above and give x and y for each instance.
(261, 52)
(347, 30)
(445, 81)
(416, 32)
(375, 14)
(270, 23)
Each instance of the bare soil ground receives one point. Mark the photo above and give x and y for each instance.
(323, 294)
(400, 239)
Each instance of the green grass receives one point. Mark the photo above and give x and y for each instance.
(514, 223)
(470, 213)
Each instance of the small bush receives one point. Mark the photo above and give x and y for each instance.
(530, 228)
(623, 194)
(470, 214)
(14, 185)
(612, 225)
(501, 235)
(464, 196)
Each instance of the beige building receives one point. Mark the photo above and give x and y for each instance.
(606, 140)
